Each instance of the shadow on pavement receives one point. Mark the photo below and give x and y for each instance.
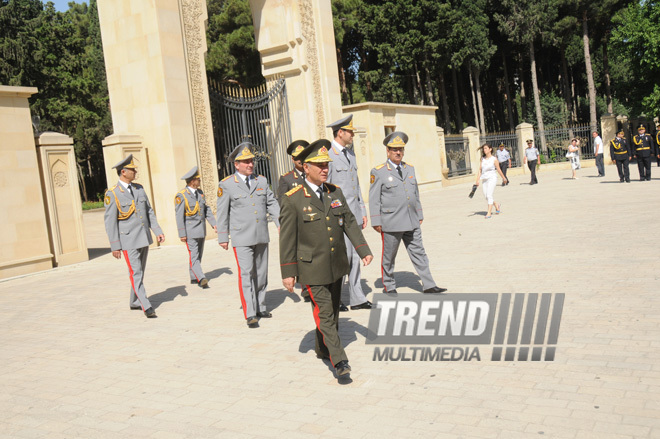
(218, 272)
(274, 298)
(348, 331)
(94, 253)
(167, 296)
(404, 279)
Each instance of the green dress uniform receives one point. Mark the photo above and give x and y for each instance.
(294, 177)
(313, 251)
(620, 154)
(642, 149)
(192, 213)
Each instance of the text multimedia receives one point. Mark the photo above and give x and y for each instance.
(419, 353)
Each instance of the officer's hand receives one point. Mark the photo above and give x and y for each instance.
(288, 283)
(367, 260)
(365, 221)
(161, 238)
(224, 245)
(379, 229)
(420, 222)
(116, 254)
(215, 228)
(184, 239)
(278, 230)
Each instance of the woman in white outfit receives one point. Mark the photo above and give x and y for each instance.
(487, 175)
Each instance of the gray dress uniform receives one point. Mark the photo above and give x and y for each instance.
(241, 214)
(192, 212)
(394, 205)
(343, 173)
(128, 218)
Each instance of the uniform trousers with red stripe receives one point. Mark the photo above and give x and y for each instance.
(195, 252)
(136, 259)
(325, 308)
(252, 264)
(412, 239)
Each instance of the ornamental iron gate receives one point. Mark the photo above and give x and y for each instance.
(259, 114)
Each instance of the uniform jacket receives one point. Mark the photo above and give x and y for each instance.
(192, 212)
(393, 200)
(643, 145)
(242, 212)
(344, 174)
(287, 182)
(619, 149)
(128, 218)
(312, 244)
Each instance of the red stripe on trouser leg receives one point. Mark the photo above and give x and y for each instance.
(240, 285)
(190, 259)
(130, 273)
(382, 259)
(317, 320)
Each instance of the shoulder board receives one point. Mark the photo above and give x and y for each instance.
(330, 185)
(137, 185)
(409, 164)
(382, 165)
(286, 173)
(182, 191)
(227, 177)
(261, 176)
(111, 188)
(294, 190)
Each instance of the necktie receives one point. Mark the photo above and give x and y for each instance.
(320, 194)
(130, 189)
(247, 182)
(345, 151)
(398, 169)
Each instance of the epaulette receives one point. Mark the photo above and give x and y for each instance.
(382, 165)
(137, 185)
(182, 191)
(286, 173)
(226, 178)
(294, 190)
(409, 164)
(330, 185)
(111, 188)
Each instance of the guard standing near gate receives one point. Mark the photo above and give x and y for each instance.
(192, 212)
(642, 149)
(315, 216)
(504, 158)
(621, 155)
(343, 173)
(243, 201)
(128, 218)
(396, 213)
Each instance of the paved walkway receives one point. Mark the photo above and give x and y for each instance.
(77, 363)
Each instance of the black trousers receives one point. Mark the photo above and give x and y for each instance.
(644, 166)
(623, 169)
(532, 167)
(504, 166)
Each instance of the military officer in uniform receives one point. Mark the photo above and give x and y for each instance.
(642, 149)
(315, 216)
(243, 201)
(128, 218)
(621, 155)
(396, 213)
(343, 173)
(192, 212)
(294, 177)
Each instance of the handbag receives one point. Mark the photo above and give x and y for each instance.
(474, 189)
(570, 155)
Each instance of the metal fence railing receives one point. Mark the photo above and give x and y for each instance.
(558, 139)
(510, 141)
(458, 156)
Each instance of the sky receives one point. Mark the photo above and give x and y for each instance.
(63, 5)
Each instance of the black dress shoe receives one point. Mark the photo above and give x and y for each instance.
(435, 290)
(342, 307)
(136, 307)
(192, 282)
(204, 283)
(392, 292)
(265, 315)
(252, 320)
(307, 299)
(342, 368)
(365, 305)
(150, 313)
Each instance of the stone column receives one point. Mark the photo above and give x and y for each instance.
(472, 136)
(524, 131)
(24, 241)
(296, 40)
(59, 181)
(154, 58)
(118, 146)
(608, 132)
(443, 152)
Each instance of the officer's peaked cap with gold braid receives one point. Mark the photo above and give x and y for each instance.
(244, 151)
(396, 139)
(316, 152)
(345, 123)
(192, 174)
(126, 163)
(296, 148)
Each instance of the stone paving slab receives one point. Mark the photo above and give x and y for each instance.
(77, 363)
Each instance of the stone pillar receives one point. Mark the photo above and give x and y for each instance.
(154, 58)
(443, 152)
(524, 131)
(59, 181)
(296, 40)
(24, 241)
(472, 136)
(118, 146)
(608, 132)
